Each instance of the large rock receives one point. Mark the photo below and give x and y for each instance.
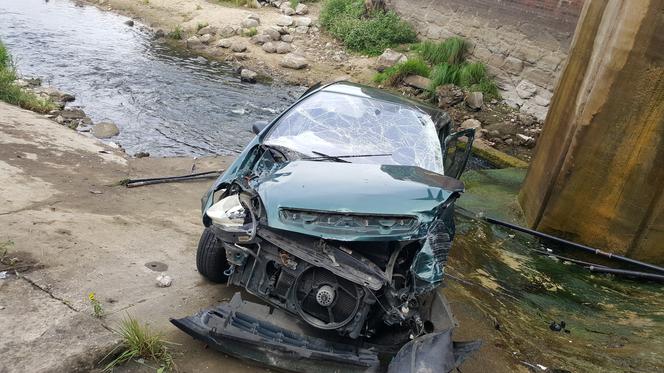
(449, 95)
(287, 9)
(283, 47)
(105, 130)
(471, 123)
(238, 46)
(526, 89)
(261, 39)
(248, 76)
(301, 29)
(270, 47)
(249, 23)
(284, 21)
(207, 30)
(255, 17)
(194, 42)
(475, 100)
(206, 39)
(273, 33)
(294, 61)
(389, 58)
(227, 31)
(301, 9)
(72, 113)
(224, 43)
(302, 21)
(417, 81)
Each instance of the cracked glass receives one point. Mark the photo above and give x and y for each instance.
(345, 125)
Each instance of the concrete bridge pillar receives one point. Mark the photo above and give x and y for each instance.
(597, 176)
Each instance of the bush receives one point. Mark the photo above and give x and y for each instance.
(13, 94)
(365, 33)
(395, 74)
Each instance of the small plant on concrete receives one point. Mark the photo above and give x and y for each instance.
(250, 32)
(140, 342)
(4, 250)
(97, 310)
(176, 34)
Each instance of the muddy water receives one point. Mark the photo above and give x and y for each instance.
(613, 324)
(165, 101)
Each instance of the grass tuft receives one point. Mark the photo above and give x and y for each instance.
(177, 33)
(370, 33)
(140, 342)
(15, 95)
(201, 25)
(451, 51)
(395, 74)
(250, 32)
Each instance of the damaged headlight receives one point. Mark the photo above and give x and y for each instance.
(230, 214)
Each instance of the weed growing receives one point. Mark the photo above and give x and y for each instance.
(250, 32)
(370, 33)
(177, 33)
(140, 342)
(201, 25)
(395, 74)
(97, 309)
(15, 95)
(451, 51)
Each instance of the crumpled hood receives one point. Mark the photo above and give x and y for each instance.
(349, 188)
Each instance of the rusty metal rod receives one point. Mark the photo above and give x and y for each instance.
(622, 272)
(575, 245)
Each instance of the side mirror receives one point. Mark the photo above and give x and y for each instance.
(456, 151)
(259, 126)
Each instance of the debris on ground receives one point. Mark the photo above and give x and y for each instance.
(164, 280)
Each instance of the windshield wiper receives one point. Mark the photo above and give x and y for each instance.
(340, 158)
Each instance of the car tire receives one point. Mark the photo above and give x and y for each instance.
(211, 257)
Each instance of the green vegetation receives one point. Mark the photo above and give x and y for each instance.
(140, 342)
(250, 32)
(248, 3)
(449, 66)
(395, 74)
(177, 33)
(451, 51)
(6, 245)
(15, 95)
(369, 33)
(201, 25)
(294, 3)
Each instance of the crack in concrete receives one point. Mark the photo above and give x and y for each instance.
(50, 294)
(33, 206)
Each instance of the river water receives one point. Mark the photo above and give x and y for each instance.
(165, 101)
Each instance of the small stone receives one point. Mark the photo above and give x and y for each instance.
(471, 123)
(283, 47)
(59, 119)
(475, 100)
(273, 33)
(287, 38)
(302, 29)
(164, 281)
(286, 9)
(227, 31)
(249, 23)
(141, 155)
(526, 141)
(105, 130)
(255, 17)
(270, 47)
(72, 113)
(294, 61)
(526, 89)
(248, 76)
(159, 33)
(224, 43)
(205, 39)
(388, 59)
(193, 42)
(238, 47)
(261, 39)
(302, 21)
(284, 21)
(509, 141)
(301, 9)
(129, 22)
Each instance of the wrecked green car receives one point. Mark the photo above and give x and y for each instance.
(339, 217)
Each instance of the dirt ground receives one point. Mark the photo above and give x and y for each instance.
(74, 231)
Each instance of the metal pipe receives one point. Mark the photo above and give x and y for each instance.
(622, 272)
(575, 245)
(571, 260)
(132, 183)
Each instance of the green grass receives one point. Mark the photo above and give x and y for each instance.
(451, 51)
(294, 3)
(471, 76)
(250, 32)
(140, 342)
(15, 95)
(201, 25)
(395, 74)
(369, 34)
(177, 33)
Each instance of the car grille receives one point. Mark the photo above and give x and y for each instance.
(340, 223)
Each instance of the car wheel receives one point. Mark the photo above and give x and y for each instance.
(211, 257)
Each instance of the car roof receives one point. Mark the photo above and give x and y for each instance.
(354, 89)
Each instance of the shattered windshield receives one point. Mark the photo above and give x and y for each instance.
(341, 125)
